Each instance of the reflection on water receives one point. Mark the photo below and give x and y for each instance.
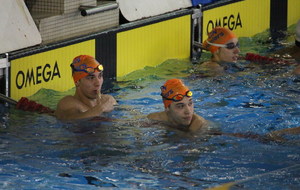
(39, 152)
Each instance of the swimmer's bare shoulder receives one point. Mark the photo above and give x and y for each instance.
(210, 69)
(68, 105)
(210, 65)
(67, 102)
(157, 116)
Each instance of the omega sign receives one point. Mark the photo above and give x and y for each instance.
(37, 75)
(231, 22)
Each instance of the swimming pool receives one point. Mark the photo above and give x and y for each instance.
(39, 152)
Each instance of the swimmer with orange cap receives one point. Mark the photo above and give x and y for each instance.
(179, 114)
(224, 46)
(179, 107)
(87, 101)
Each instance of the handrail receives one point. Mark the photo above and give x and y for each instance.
(89, 10)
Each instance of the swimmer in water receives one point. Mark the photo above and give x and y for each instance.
(87, 101)
(179, 114)
(224, 47)
(292, 51)
(296, 49)
(179, 108)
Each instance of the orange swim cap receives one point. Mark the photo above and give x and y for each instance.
(218, 35)
(82, 62)
(172, 88)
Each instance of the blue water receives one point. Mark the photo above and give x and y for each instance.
(39, 152)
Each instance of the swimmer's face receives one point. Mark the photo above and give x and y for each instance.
(224, 54)
(90, 86)
(180, 113)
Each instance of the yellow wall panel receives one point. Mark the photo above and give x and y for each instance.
(153, 44)
(50, 70)
(293, 12)
(245, 18)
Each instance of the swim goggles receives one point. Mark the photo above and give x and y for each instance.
(178, 97)
(89, 70)
(230, 45)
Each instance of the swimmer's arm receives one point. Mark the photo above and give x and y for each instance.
(273, 136)
(70, 108)
(198, 123)
(289, 131)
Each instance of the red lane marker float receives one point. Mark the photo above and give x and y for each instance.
(264, 59)
(28, 105)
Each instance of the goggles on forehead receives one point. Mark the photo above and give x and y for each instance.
(89, 70)
(179, 97)
(230, 45)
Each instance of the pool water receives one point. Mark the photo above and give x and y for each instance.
(40, 152)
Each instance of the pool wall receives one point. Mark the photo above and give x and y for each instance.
(145, 42)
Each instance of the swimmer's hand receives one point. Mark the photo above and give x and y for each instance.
(106, 103)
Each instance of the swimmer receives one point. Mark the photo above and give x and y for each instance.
(293, 51)
(179, 108)
(224, 47)
(296, 48)
(179, 114)
(87, 101)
